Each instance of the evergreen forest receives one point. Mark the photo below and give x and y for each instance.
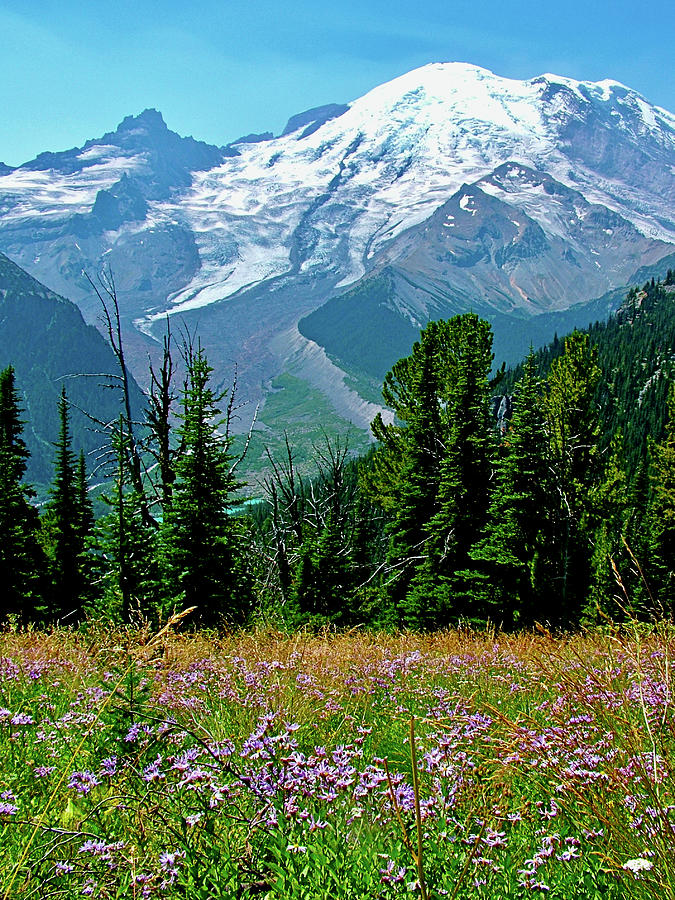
(545, 494)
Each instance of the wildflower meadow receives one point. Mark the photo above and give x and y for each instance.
(461, 765)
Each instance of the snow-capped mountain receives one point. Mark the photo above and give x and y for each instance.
(467, 189)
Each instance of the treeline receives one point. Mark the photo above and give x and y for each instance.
(167, 540)
(634, 350)
(560, 510)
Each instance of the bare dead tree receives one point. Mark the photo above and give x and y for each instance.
(232, 413)
(338, 497)
(286, 493)
(106, 292)
(301, 509)
(158, 419)
(158, 449)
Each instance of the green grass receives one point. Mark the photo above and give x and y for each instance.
(302, 412)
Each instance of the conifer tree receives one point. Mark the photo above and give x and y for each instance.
(513, 552)
(330, 560)
(636, 557)
(22, 562)
(65, 526)
(323, 578)
(661, 515)
(433, 468)
(573, 424)
(204, 558)
(85, 508)
(606, 523)
(126, 568)
(416, 484)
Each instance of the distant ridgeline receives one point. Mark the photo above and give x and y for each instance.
(636, 355)
(44, 337)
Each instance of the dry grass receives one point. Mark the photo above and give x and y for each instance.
(542, 760)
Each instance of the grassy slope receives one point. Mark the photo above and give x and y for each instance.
(306, 415)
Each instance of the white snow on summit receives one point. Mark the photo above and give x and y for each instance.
(383, 166)
(331, 200)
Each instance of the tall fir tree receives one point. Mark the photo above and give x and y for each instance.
(323, 578)
(433, 468)
(416, 484)
(441, 591)
(85, 507)
(203, 553)
(125, 566)
(65, 526)
(661, 516)
(512, 555)
(573, 424)
(22, 563)
(609, 515)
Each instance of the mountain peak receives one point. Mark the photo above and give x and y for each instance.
(466, 83)
(149, 121)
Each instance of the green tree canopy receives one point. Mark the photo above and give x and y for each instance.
(432, 470)
(513, 553)
(204, 562)
(66, 524)
(21, 559)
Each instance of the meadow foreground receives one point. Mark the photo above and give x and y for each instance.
(350, 766)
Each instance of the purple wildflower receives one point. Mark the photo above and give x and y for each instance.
(108, 766)
(83, 782)
(169, 864)
(63, 868)
(22, 719)
(152, 772)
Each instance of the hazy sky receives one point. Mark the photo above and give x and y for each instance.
(217, 70)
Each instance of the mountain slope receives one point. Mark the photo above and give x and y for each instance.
(636, 354)
(368, 327)
(46, 340)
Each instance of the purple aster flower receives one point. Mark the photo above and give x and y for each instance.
(152, 772)
(96, 848)
(83, 782)
(169, 864)
(494, 838)
(21, 719)
(567, 855)
(108, 766)
(63, 868)
(391, 875)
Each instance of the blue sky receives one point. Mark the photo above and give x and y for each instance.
(217, 70)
